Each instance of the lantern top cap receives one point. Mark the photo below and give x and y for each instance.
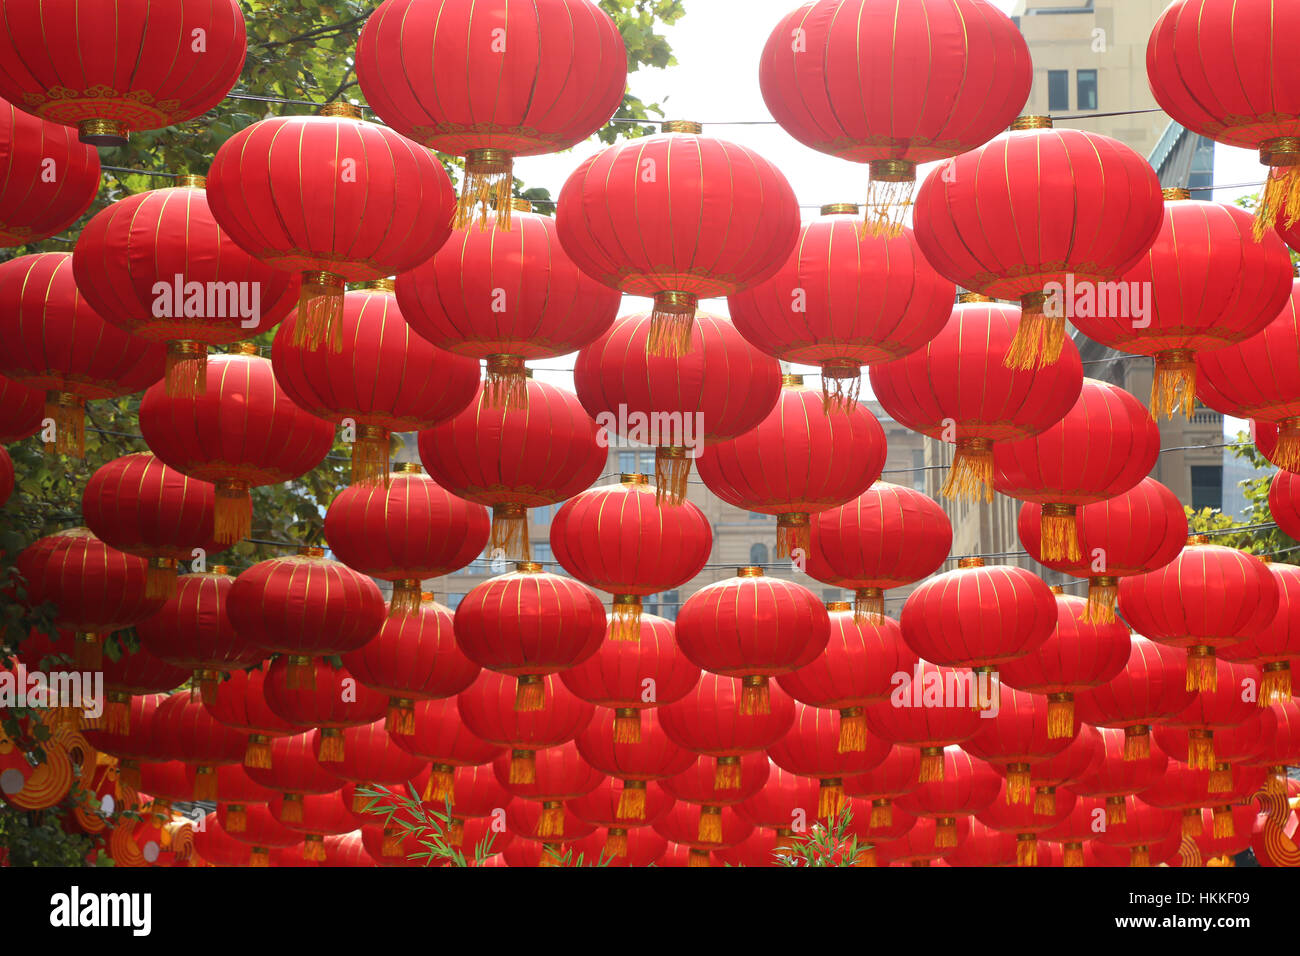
(966, 298)
(190, 181)
(311, 551)
(521, 205)
(1176, 194)
(835, 606)
(791, 381)
(244, 348)
(528, 567)
(426, 597)
(971, 563)
(1057, 589)
(219, 569)
(1031, 122)
(841, 209)
(750, 571)
(633, 479)
(408, 468)
(344, 110)
(683, 126)
(1198, 539)
(379, 285)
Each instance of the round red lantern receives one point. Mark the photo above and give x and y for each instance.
(21, 411)
(441, 737)
(529, 624)
(242, 431)
(958, 390)
(699, 784)
(617, 538)
(669, 402)
(49, 178)
(1282, 748)
(1277, 642)
(887, 537)
(788, 803)
(492, 81)
(561, 775)
(1118, 774)
(897, 774)
(133, 674)
(55, 342)
(518, 458)
(755, 628)
(966, 787)
(331, 701)
(334, 198)
(811, 749)
(238, 702)
(680, 217)
(686, 824)
(1149, 689)
(981, 222)
(369, 757)
(1230, 701)
(506, 296)
(189, 733)
(1085, 752)
(636, 763)
(934, 707)
(1025, 822)
(1016, 737)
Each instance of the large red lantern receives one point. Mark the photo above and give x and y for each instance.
(1211, 286)
(405, 532)
(670, 402)
(843, 301)
(811, 749)
(958, 390)
(529, 624)
(1259, 378)
(857, 668)
(242, 431)
(109, 72)
(616, 675)
(1018, 736)
(369, 757)
(653, 757)
(1215, 66)
(54, 341)
(492, 81)
(1206, 598)
(515, 459)
(239, 702)
(331, 701)
(894, 85)
(981, 222)
(1230, 701)
(561, 774)
(887, 537)
(934, 707)
(305, 606)
(49, 178)
(617, 538)
(413, 657)
(1117, 775)
(680, 217)
(753, 627)
(966, 787)
(1078, 655)
(157, 265)
(1149, 690)
(388, 380)
(334, 198)
(897, 774)
(189, 733)
(1277, 642)
(1085, 752)
(441, 737)
(506, 296)
(138, 505)
(1025, 821)
(1133, 533)
(1103, 446)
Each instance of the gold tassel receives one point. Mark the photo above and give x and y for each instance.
(551, 823)
(1276, 783)
(487, 187)
(160, 578)
(236, 818)
(672, 473)
(1276, 687)
(726, 773)
(313, 848)
(841, 384)
(117, 715)
(889, 196)
(1224, 828)
(1073, 855)
(1060, 536)
(1202, 669)
(755, 698)
(392, 844)
(442, 783)
(1060, 716)
(406, 598)
(1287, 453)
(331, 745)
(456, 832)
(401, 716)
(259, 857)
(710, 829)
(616, 843)
(1019, 789)
(868, 605)
(945, 834)
(530, 693)
(1221, 778)
(258, 753)
(551, 855)
(370, 455)
(1103, 593)
(523, 766)
(627, 725)
(1174, 385)
(300, 673)
(1137, 742)
(1116, 810)
(319, 321)
(207, 682)
(1280, 200)
(793, 534)
(698, 858)
(359, 799)
(1193, 823)
(233, 514)
(671, 324)
(970, 476)
(853, 731)
(1039, 337)
(868, 857)
(68, 412)
(187, 369)
(1026, 850)
(882, 814)
(510, 531)
(931, 764)
(1045, 802)
(830, 798)
(291, 808)
(1139, 856)
(205, 784)
(625, 625)
(88, 652)
(1200, 749)
(632, 801)
(505, 384)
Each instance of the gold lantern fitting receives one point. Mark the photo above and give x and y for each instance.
(890, 193)
(671, 323)
(486, 188)
(510, 531)
(672, 472)
(505, 383)
(970, 478)
(1060, 537)
(1280, 200)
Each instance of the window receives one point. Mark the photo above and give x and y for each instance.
(647, 463)
(758, 554)
(757, 516)
(1207, 486)
(831, 594)
(627, 462)
(453, 600)
(1087, 89)
(543, 554)
(1058, 90)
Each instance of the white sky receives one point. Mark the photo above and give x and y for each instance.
(717, 45)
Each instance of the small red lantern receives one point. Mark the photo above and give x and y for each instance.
(1017, 737)
(440, 736)
(331, 701)
(239, 702)
(1118, 775)
(192, 735)
(1085, 752)
(636, 763)
(1149, 690)
(933, 709)
(1230, 701)
(811, 749)
(49, 178)
(966, 787)
(369, 757)
(1277, 642)
(561, 775)
(897, 774)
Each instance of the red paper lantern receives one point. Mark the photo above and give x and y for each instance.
(617, 538)
(388, 380)
(844, 452)
(680, 217)
(1282, 748)
(131, 675)
(1023, 821)
(21, 411)
(811, 749)
(857, 668)
(919, 847)
(698, 783)
(621, 844)
(413, 657)
(1230, 701)
(369, 757)
(986, 845)
(1241, 743)
(236, 790)
(843, 301)
(138, 505)
(242, 431)
(137, 739)
(1149, 689)
(492, 81)
(930, 710)
(49, 178)
(635, 763)
(189, 733)
(334, 198)
(958, 390)
(1215, 66)
(634, 676)
(305, 606)
(529, 624)
(316, 815)
(1085, 752)
(1211, 286)
(55, 342)
(109, 72)
(193, 631)
(788, 803)
(684, 824)
(1206, 598)
(1258, 379)
(1133, 533)
(897, 774)
(1078, 655)
(1104, 445)
(547, 823)
(514, 459)
(887, 537)
(981, 222)
(1017, 737)
(440, 736)
(561, 775)
(1277, 642)
(1284, 502)
(1183, 792)
(506, 295)
(239, 702)
(755, 628)
(1118, 774)
(670, 402)
(263, 834)
(331, 701)
(966, 787)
